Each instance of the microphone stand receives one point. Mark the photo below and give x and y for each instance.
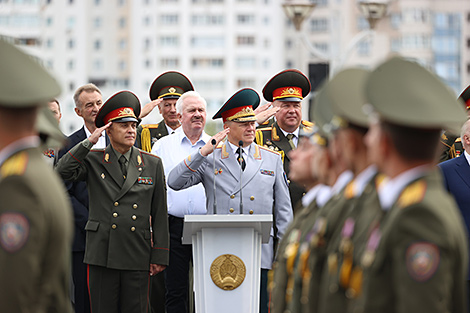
(213, 142)
(240, 145)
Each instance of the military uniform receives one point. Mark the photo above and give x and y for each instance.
(407, 264)
(127, 228)
(148, 134)
(35, 214)
(273, 138)
(169, 85)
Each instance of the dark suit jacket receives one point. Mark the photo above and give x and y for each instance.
(78, 195)
(456, 174)
(119, 234)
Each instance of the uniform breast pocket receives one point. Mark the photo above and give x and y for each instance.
(92, 225)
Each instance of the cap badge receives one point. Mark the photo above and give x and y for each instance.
(171, 90)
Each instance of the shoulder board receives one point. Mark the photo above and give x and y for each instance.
(14, 165)
(150, 125)
(149, 154)
(350, 190)
(444, 136)
(97, 150)
(458, 140)
(412, 194)
(307, 123)
(265, 122)
(267, 149)
(379, 180)
(264, 129)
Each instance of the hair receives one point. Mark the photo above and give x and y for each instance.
(87, 88)
(414, 144)
(191, 93)
(465, 131)
(56, 101)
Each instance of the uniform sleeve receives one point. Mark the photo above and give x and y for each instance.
(71, 166)
(187, 173)
(161, 246)
(282, 205)
(423, 261)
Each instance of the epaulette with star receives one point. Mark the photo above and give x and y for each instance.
(14, 165)
(150, 125)
(307, 123)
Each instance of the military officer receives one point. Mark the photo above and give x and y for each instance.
(164, 92)
(264, 185)
(286, 91)
(35, 214)
(408, 265)
(127, 229)
(350, 124)
(302, 171)
(453, 144)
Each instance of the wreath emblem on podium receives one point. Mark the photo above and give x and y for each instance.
(228, 271)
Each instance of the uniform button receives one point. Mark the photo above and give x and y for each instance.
(135, 206)
(231, 210)
(132, 228)
(252, 198)
(115, 214)
(251, 211)
(116, 203)
(134, 217)
(232, 196)
(113, 226)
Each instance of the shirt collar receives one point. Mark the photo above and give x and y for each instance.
(169, 129)
(467, 156)
(246, 150)
(295, 132)
(343, 179)
(23, 143)
(390, 189)
(127, 155)
(204, 138)
(324, 194)
(364, 177)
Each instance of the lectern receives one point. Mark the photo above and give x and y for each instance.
(227, 260)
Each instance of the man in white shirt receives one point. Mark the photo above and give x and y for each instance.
(187, 139)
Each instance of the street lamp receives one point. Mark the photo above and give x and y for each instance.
(298, 11)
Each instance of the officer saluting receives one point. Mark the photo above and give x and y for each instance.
(165, 90)
(35, 214)
(127, 229)
(286, 91)
(408, 264)
(262, 176)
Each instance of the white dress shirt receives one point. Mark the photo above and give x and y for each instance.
(295, 139)
(173, 149)
(101, 144)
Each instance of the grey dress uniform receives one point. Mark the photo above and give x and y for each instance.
(119, 234)
(422, 235)
(264, 186)
(36, 235)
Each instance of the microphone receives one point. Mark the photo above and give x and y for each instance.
(240, 145)
(213, 142)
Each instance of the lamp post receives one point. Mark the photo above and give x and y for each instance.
(299, 10)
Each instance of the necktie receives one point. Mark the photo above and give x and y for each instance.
(122, 162)
(291, 142)
(241, 160)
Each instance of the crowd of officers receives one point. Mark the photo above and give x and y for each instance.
(374, 230)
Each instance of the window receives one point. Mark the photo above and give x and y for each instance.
(71, 22)
(395, 20)
(169, 63)
(147, 20)
(70, 65)
(71, 44)
(147, 43)
(169, 19)
(71, 86)
(98, 65)
(319, 25)
(122, 44)
(122, 22)
(168, 41)
(97, 44)
(323, 47)
(209, 84)
(207, 62)
(97, 22)
(246, 40)
(246, 19)
(246, 62)
(207, 19)
(208, 42)
(49, 43)
(148, 63)
(245, 82)
(49, 21)
(122, 65)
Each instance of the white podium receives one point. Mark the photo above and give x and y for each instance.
(227, 260)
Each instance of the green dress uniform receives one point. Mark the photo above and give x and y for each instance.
(415, 252)
(273, 138)
(342, 269)
(148, 134)
(35, 235)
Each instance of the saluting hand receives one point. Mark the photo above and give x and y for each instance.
(97, 133)
(262, 113)
(208, 147)
(149, 107)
